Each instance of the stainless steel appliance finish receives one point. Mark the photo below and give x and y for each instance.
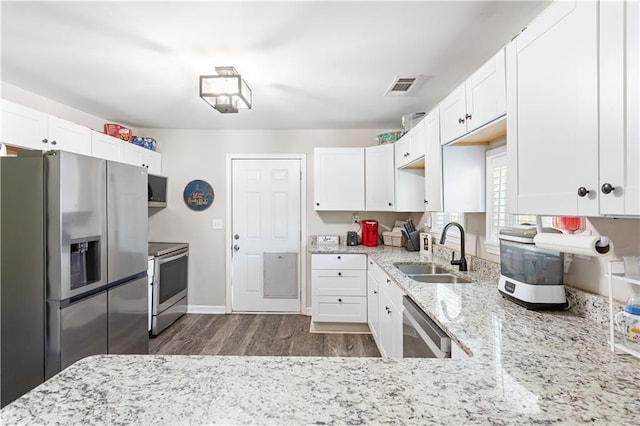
(170, 280)
(57, 289)
(421, 337)
(127, 322)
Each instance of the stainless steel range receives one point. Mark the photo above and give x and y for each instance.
(169, 287)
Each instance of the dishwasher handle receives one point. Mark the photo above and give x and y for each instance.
(438, 341)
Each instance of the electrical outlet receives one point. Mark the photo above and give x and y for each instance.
(216, 224)
(356, 218)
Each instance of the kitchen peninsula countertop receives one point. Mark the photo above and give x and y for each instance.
(525, 367)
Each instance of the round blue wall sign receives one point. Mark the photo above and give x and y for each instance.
(198, 195)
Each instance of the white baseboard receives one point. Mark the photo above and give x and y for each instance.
(309, 311)
(206, 309)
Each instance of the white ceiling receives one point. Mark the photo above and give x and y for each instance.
(310, 65)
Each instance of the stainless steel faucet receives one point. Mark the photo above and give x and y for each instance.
(462, 262)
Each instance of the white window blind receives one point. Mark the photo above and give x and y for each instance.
(440, 219)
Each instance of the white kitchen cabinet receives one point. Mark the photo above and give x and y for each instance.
(619, 153)
(478, 101)
(139, 156)
(410, 147)
(67, 136)
(373, 315)
(432, 162)
(24, 127)
(339, 179)
(552, 117)
(454, 174)
(105, 146)
(380, 178)
(339, 288)
(389, 302)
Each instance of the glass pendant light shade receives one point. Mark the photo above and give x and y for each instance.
(226, 91)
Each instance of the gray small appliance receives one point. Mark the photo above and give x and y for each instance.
(352, 238)
(530, 276)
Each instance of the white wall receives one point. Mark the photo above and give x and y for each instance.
(201, 154)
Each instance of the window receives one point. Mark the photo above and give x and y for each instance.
(440, 219)
(497, 216)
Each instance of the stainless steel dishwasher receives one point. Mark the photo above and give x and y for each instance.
(421, 337)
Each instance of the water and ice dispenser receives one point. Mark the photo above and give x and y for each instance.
(85, 261)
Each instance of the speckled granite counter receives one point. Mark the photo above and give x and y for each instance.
(526, 367)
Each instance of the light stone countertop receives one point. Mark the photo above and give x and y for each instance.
(526, 367)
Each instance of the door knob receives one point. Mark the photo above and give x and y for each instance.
(236, 237)
(236, 247)
(582, 191)
(607, 188)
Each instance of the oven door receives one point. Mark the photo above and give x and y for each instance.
(170, 279)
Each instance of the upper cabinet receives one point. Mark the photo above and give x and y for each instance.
(27, 128)
(572, 96)
(105, 146)
(339, 179)
(380, 178)
(410, 147)
(432, 162)
(619, 183)
(139, 156)
(478, 101)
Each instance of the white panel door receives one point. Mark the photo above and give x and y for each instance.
(24, 127)
(338, 179)
(554, 124)
(105, 146)
(67, 136)
(452, 115)
(486, 98)
(433, 162)
(380, 178)
(266, 200)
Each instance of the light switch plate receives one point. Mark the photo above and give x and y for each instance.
(216, 224)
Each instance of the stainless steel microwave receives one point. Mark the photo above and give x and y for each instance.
(157, 186)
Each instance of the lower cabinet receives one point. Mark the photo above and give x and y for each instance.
(339, 288)
(386, 326)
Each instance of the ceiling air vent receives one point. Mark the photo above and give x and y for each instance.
(401, 86)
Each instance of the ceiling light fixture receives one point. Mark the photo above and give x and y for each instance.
(226, 91)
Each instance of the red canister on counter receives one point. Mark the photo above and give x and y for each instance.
(369, 232)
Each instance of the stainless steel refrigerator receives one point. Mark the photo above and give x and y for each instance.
(73, 264)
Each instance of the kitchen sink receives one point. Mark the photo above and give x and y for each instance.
(439, 278)
(420, 268)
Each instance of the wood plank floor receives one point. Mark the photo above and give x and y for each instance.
(256, 334)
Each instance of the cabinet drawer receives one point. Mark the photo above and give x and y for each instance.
(378, 273)
(339, 309)
(386, 284)
(339, 261)
(346, 282)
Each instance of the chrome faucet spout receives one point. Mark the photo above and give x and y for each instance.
(462, 262)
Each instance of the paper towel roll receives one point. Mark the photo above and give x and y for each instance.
(587, 245)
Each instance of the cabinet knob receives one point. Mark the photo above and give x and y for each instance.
(607, 188)
(45, 140)
(468, 116)
(388, 281)
(317, 204)
(388, 310)
(582, 191)
(339, 257)
(460, 120)
(375, 291)
(53, 142)
(340, 300)
(390, 204)
(339, 274)
(426, 201)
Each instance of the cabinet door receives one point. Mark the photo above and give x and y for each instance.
(372, 307)
(153, 161)
(24, 127)
(402, 150)
(553, 112)
(68, 136)
(452, 115)
(433, 162)
(390, 318)
(486, 93)
(416, 141)
(105, 146)
(619, 125)
(380, 178)
(339, 179)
